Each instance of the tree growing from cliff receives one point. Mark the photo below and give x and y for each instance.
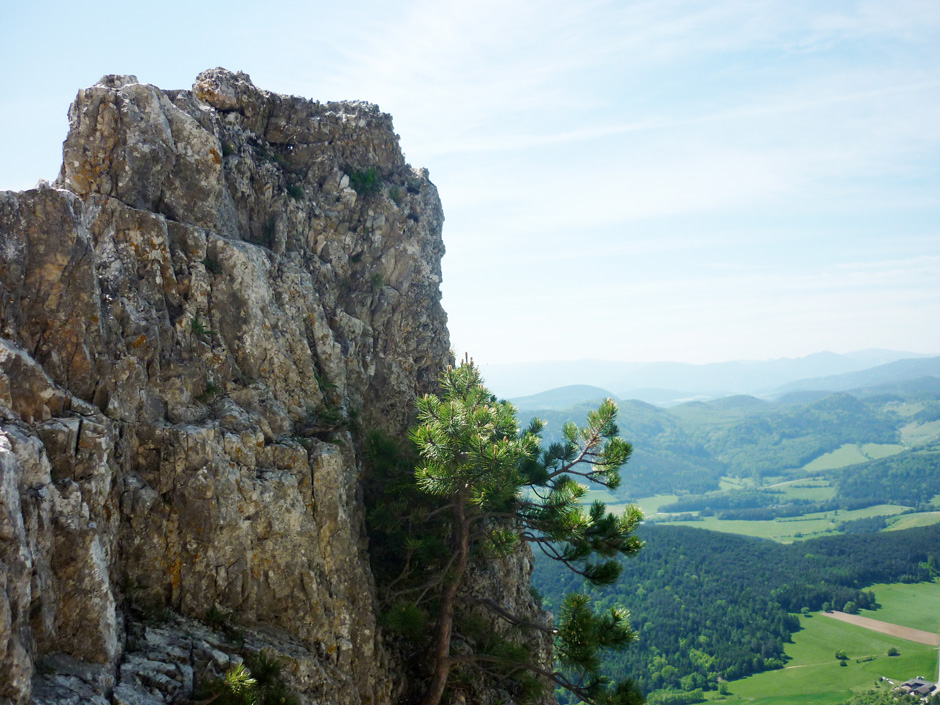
(495, 487)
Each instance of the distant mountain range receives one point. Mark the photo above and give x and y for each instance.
(891, 373)
(668, 383)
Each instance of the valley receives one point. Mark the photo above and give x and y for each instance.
(761, 513)
(711, 606)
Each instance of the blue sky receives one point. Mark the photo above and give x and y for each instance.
(663, 180)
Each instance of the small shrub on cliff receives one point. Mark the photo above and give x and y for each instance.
(199, 328)
(209, 392)
(256, 681)
(236, 688)
(366, 182)
(222, 622)
(216, 618)
(406, 619)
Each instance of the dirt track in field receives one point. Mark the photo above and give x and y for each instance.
(917, 635)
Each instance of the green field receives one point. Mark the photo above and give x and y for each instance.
(794, 528)
(905, 409)
(917, 434)
(910, 521)
(651, 505)
(599, 495)
(814, 677)
(790, 529)
(915, 605)
(735, 483)
(815, 490)
(876, 451)
(852, 453)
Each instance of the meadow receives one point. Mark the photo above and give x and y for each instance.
(787, 530)
(852, 453)
(784, 530)
(916, 434)
(813, 676)
(910, 521)
(915, 605)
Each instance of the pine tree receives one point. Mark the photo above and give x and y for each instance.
(493, 486)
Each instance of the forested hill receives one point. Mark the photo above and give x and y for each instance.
(688, 448)
(709, 605)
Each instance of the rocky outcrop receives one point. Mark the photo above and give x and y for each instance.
(221, 287)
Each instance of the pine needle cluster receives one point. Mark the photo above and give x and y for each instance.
(256, 681)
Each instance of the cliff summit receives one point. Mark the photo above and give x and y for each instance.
(220, 288)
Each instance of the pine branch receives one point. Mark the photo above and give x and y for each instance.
(433, 582)
(554, 676)
(513, 619)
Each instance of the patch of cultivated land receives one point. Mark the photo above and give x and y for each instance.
(876, 451)
(790, 529)
(813, 675)
(813, 490)
(599, 496)
(852, 453)
(910, 521)
(916, 434)
(909, 633)
(649, 505)
(735, 483)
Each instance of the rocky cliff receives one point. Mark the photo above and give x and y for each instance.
(220, 289)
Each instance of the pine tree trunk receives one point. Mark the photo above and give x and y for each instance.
(440, 652)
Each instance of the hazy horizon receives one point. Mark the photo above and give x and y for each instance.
(716, 379)
(912, 353)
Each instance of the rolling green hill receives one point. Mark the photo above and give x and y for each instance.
(689, 448)
(563, 397)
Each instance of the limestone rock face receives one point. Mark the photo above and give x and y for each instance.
(194, 320)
